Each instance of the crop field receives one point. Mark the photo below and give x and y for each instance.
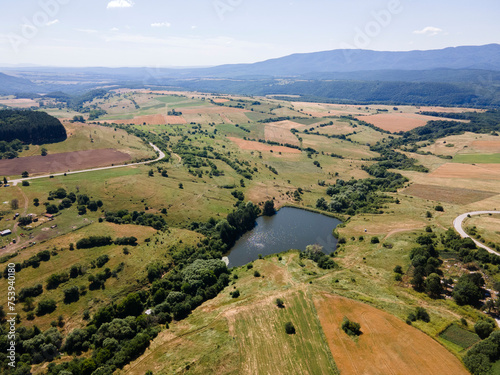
(448, 194)
(262, 327)
(398, 345)
(477, 159)
(467, 171)
(66, 161)
(460, 336)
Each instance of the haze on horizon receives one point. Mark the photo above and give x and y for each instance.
(126, 33)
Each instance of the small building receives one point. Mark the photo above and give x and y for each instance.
(5, 232)
(50, 216)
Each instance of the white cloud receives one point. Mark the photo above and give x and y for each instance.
(87, 31)
(161, 24)
(120, 4)
(429, 31)
(52, 22)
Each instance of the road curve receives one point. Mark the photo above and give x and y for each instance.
(160, 152)
(458, 222)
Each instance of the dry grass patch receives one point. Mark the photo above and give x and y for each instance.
(448, 194)
(387, 344)
(467, 171)
(258, 146)
(395, 122)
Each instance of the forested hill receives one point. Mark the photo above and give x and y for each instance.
(30, 127)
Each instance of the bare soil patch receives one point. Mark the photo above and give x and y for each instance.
(387, 346)
(66, 161)
(258, 146)
(488, 146)
(448, 194)
(468, 171)
(395, 122)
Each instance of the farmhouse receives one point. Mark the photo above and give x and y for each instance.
(5, 232)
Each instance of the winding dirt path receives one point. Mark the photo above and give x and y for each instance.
(458, 224)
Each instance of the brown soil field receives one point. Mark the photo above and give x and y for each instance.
(488, 146)
(467, 171)
(151, 120)
(448, 194)
(395, 122)
(450, 110)
(66, 161)
(258, 146)
(19, 103)
(387, 344)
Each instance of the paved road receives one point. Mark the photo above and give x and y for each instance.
(161, 156)
(458, 222)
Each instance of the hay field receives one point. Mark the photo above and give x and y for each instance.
(448, 194)
(387, 346)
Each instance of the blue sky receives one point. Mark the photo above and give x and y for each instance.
(210, 32)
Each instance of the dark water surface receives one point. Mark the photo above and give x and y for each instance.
(290, 228)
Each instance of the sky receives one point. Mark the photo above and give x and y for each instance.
(174, 33)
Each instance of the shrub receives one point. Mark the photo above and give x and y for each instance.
(45, 306)
(256, 274)
(375, 240)
(235, 294)
(351, 328)
(280, 303)
(289, 328)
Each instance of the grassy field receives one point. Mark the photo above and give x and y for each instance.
(460, 336)
(477, 158)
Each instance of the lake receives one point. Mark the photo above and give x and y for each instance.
(290, 228)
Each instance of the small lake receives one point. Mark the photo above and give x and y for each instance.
(290, 228)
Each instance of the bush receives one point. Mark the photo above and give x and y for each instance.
(484, 328)
(45, 306)
(375, 240)
(280, 303)
(439, 208)
(71, 294)
(351, 328)
(289, 328)
(93, 241)
(235, 294)
(256, 274)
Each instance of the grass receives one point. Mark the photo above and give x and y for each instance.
(460, 336)
(477, 158)
(273, 350)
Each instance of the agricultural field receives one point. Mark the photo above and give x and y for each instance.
(225, 151)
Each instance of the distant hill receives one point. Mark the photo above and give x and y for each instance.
(10, 84)
(474, 57)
